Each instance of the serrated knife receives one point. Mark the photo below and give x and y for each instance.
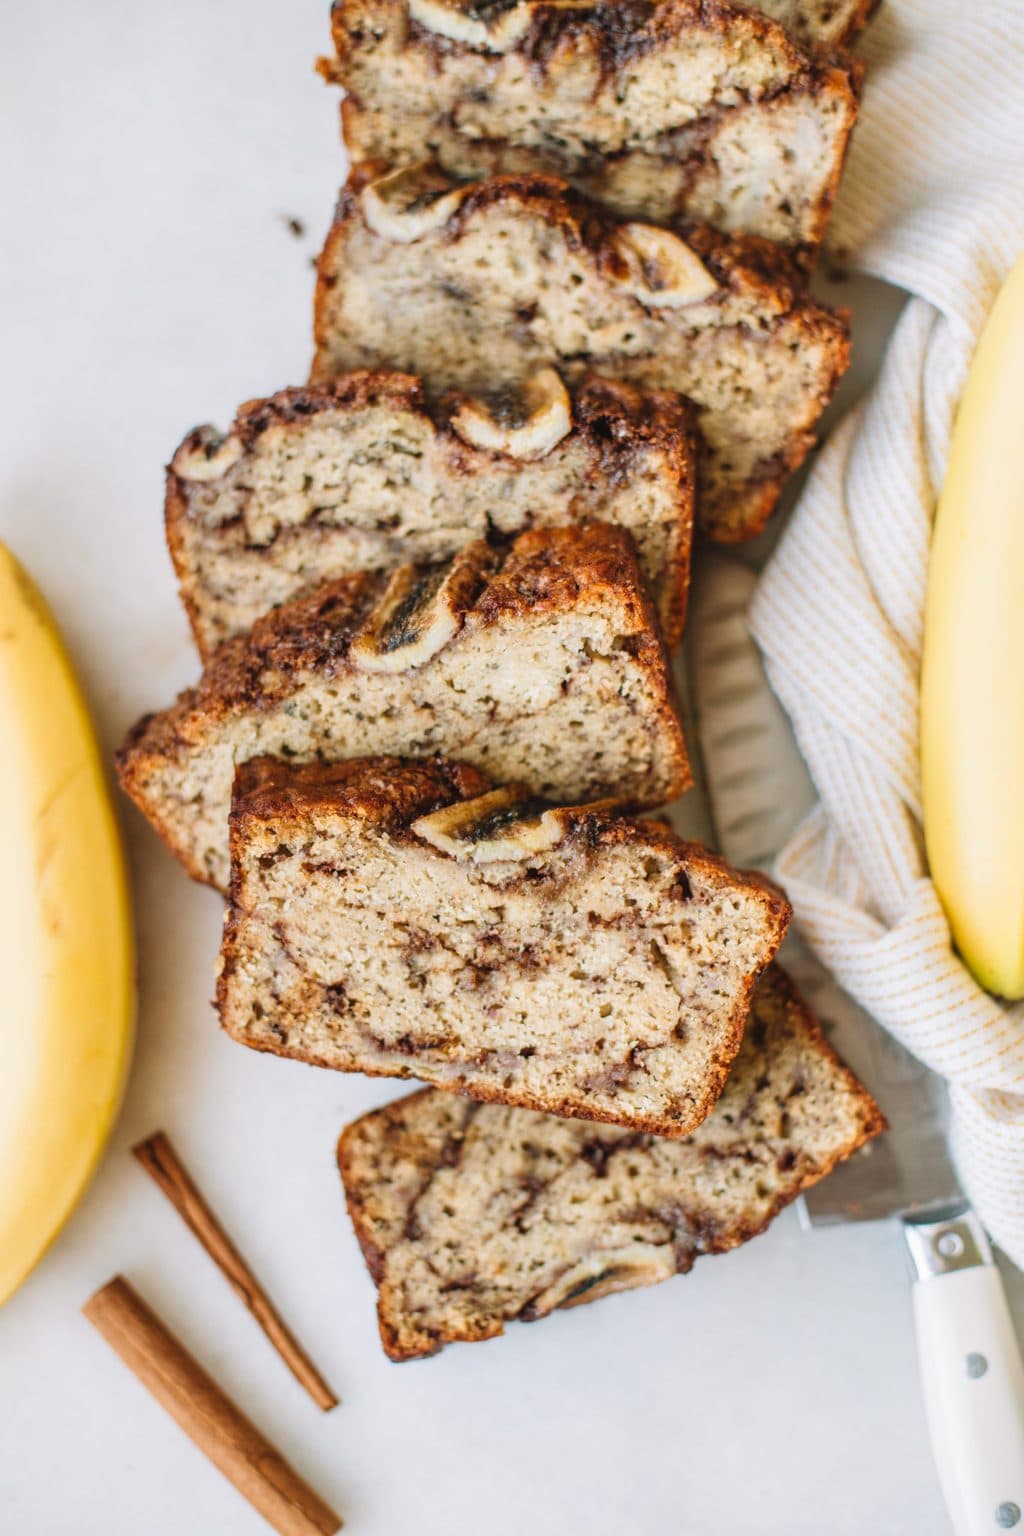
(758, 790)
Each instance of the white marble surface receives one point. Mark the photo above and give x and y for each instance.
(148, 280)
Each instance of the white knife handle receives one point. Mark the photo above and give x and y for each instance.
(972, 1377)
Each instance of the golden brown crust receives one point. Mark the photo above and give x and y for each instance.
(617, 36)
(778, 1011)
(252, 671)
(616, 422)
(357, 391)
(392, 793)
(623, 32)
(746, 268)
(545, 569)
(778, 995)
(176, 516)
(550, 569)
(258, 670)
(618, 27)
(131, 776)
(743, 264)
(658, 418)
(388, 791)
(312, 635)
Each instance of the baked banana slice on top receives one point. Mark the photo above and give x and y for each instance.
(540, 661)
(660, 111)
(466, 283)
(360, 473)
(406, 919)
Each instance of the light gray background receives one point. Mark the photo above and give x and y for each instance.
(148, 281)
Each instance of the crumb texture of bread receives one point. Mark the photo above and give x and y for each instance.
(356, 474)
(541, 661)
(512, 274)
(472, 1215)
(568, 960)
(678, 110)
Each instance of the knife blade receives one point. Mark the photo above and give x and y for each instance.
(758, 791)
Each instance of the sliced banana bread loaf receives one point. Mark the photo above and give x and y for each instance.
(358, 474)
(569, 960)
(541, 661)
(470, 1215)
(683, 109)
(468, 283)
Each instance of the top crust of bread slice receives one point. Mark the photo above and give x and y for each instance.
(541, 661)
(359, 473)
(472, 1215)
(463, 283)
(693, 109)
(390, 920)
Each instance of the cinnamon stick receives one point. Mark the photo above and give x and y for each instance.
(209, 1418)
(164, 1166)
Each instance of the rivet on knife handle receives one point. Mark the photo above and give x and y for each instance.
(971, 1372)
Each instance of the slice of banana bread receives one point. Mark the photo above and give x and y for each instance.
(471, 1215)
(570, 960)
(675, 110)
(541, 661)
(358, 474)
(467, 283)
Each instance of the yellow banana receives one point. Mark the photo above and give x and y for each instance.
(66, 953)
(972, 687)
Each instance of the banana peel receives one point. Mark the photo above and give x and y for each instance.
(66, 944)
(972, 685)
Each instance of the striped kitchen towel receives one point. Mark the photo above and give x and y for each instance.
(933, 201)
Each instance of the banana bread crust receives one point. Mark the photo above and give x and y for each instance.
(759, 308)
(460, 102)
(744, 265)
(393, 791)
(309, 822)
(389, 792)
(260, 677)
(619, 434)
